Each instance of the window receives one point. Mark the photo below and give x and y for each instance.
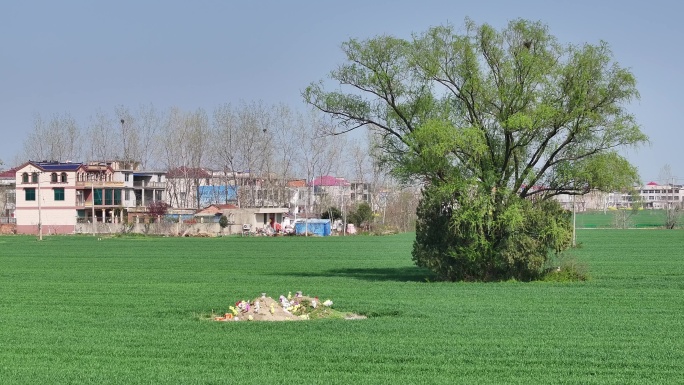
(126, 177)
(127, 195)
(24, 178)
(30, 194)
(63, 178)
(98, 197)
(59, 193)
(34, 177)
(109, 197)
(53, 177)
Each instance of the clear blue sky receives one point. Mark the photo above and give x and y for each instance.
(81, 56)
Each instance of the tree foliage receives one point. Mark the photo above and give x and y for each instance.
(223, 221)
(332, 213)
(494, 123)
(362, 214)
(158, 208)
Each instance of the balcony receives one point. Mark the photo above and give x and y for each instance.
(98, 202)
(145, 184)
(99, 184)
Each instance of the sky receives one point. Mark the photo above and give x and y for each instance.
(80, 57)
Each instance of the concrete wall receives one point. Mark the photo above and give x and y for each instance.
(47, 229)
(160, 228)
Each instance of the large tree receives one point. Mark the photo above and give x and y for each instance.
(494, 123)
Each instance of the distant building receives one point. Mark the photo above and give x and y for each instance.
(57, 195)
(7, 195)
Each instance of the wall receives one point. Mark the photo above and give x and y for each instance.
(8, 228)
(160, 228)
(47, 229)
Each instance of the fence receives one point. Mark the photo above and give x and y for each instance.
(158, 228)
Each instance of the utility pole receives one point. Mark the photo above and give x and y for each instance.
(40, 223)
(92, 195)
(574, 222)
(123, 135)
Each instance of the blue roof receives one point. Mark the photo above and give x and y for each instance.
(57, 166)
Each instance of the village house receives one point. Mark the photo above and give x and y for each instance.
(58, 195)
(254, 218)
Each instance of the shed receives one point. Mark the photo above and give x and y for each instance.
(313, 226)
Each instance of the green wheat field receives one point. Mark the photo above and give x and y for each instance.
(79, 310)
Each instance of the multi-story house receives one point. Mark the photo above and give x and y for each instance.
(652, 196)
(360, 192)
(657, 196)
(330, 191)
(47, 196)
(57, 196)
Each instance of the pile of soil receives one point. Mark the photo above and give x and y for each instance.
(287, 308)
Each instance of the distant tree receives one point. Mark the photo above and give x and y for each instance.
(140, 132)
(623, 216)
(157, 208)
(362, 215)
(672, 207)
(223, 222)
(99, 137)
(494, 124)
(184, 148)
(55, 139)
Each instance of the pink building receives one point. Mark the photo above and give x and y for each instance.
(59, 195)
(46, 195)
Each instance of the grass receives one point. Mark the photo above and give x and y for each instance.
(78, 310)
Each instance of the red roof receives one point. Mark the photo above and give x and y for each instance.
(327, 180)
(296, 183)
(9, 174)
(188, 172)
(652, 184)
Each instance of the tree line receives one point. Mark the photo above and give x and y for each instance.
(275, 142)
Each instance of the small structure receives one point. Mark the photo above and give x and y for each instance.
(313, 226)
(246, 229)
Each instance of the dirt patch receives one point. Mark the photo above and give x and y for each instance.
(297, 307)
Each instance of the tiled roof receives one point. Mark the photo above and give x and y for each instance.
(327, 180)
(188, 172)
(296, 183)
(9, 174)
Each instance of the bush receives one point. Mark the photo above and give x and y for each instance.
(331, 213)
(568, 269)
(476, 240)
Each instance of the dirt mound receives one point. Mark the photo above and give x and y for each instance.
(296, 307)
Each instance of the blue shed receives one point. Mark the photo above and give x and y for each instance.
(313, 226)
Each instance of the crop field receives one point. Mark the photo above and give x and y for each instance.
(130, 310)
(641, 219)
